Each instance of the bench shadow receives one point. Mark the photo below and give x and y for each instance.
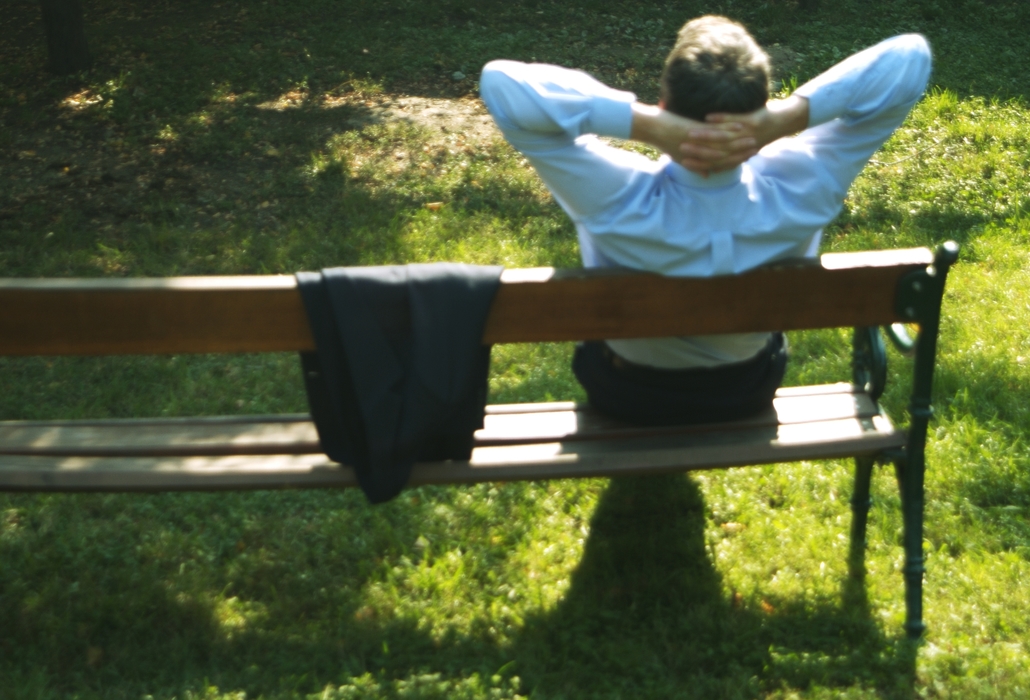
(646, 614)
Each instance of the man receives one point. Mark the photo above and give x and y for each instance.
(747, 192)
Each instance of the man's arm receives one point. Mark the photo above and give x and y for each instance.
(847, 111)
(532, 100)
(550, 115)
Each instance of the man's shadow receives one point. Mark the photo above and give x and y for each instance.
(646, 614)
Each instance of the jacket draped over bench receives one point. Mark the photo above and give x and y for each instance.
(400, 373)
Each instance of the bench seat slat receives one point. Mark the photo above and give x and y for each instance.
(640, 451)
(155, 439)
(112, 474)
(585, 424)
(838, 388)
(295, 434)
(842, 438)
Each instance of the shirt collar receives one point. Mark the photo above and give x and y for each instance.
(686, 177)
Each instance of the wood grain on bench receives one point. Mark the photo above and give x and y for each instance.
(504, 424)
(265, 313)
(518, 442)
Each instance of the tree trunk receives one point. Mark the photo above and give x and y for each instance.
(65, 36)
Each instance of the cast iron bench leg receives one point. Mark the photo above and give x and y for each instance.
(910, 473)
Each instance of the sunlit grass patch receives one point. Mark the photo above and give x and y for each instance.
(223, 139)
(486, 583)
(537, 372)
(955, 167)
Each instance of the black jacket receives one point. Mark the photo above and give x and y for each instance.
(400, 371)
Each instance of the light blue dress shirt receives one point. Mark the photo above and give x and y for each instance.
(634, 212)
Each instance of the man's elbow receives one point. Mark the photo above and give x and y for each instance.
(493, 77)
(917, 53)
(910, 62)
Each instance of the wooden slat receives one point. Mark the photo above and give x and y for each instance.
(265, 313)
(596, 304)
(108, 474)
(543, 406)
(584, 424)
(184, 421)
(827, 439)
(832, 439)
(152, 316)
(132, 438)
(295, 434)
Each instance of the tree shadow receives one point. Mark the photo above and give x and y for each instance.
(416, 48)
(174, 137)
(645, 614)
(125, 611)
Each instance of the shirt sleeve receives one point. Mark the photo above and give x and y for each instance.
(552, 115)
(853, 108)
(874, 85)
(535, 98)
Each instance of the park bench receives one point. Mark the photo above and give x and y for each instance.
(863, 291)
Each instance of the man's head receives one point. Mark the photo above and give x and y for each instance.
(716, 66)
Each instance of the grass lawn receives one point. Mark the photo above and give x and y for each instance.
(266, 137)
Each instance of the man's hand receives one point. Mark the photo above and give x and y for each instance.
(713, 146)
(716, 146)
(727, 140)
(722, 141)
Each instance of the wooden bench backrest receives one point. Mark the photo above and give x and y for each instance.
(265, 313)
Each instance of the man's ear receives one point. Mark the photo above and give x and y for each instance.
(661, 103)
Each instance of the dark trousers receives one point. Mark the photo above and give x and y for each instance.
(651, 396)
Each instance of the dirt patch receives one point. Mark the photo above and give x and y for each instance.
(443, 116)
(69, 162)
(465, 115)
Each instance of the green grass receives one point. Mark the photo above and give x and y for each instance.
(242, 137)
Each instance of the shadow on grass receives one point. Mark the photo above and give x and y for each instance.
(102, 607)
(929, 227)
(168, 166)
(986, 392)
(986, 386)
(645, 615)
